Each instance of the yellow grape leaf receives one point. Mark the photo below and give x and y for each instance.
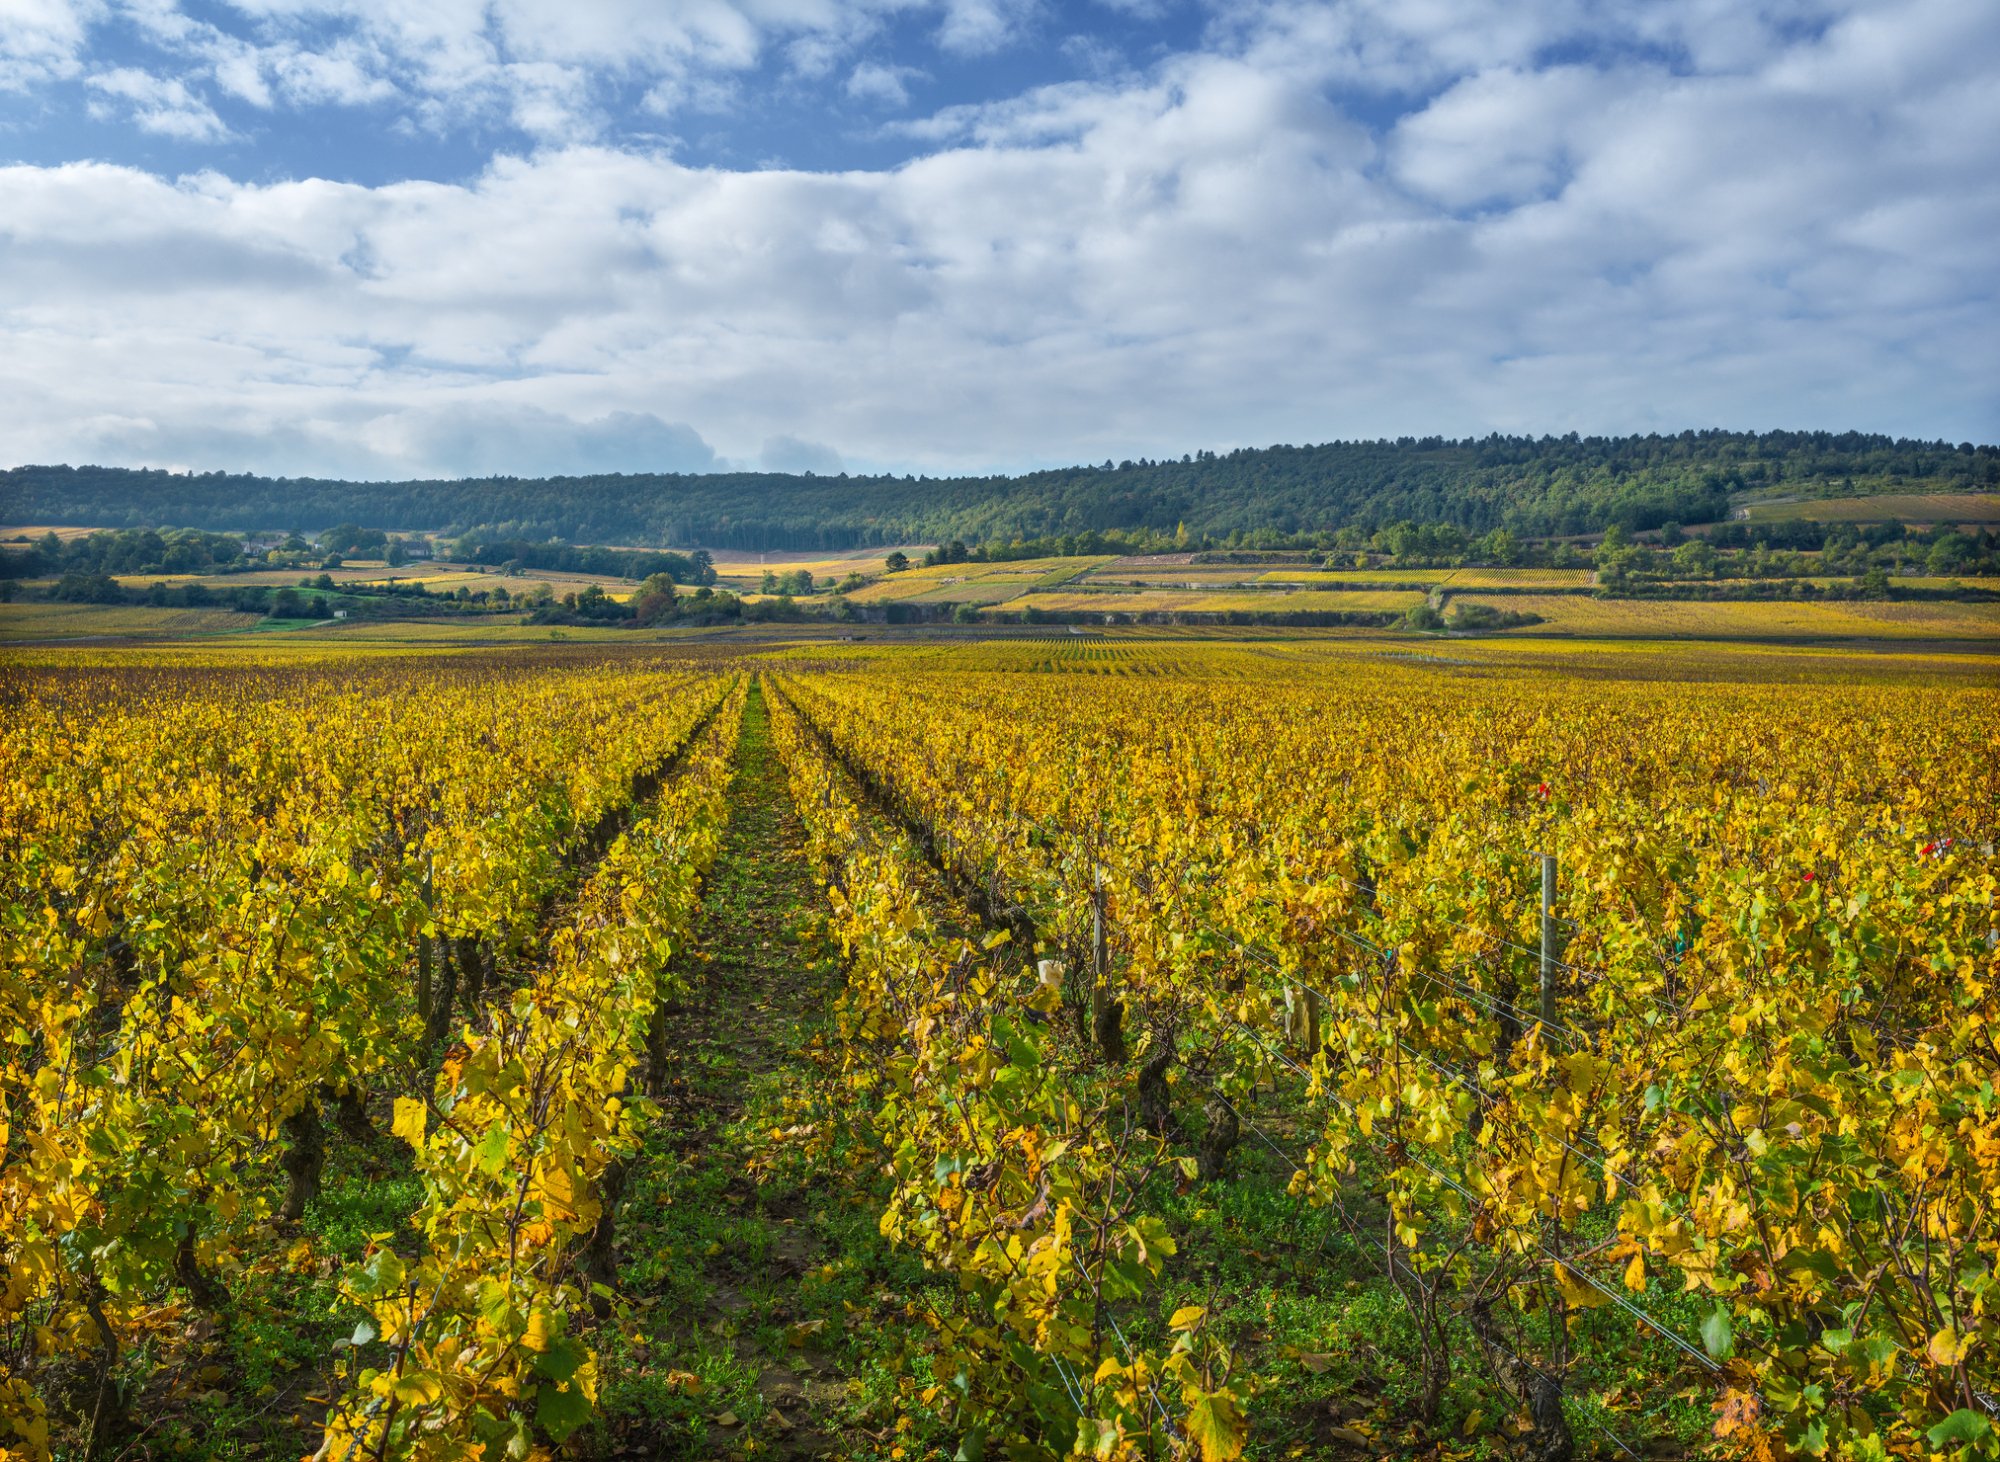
(539, 1336)
(419, 1388)
(409, 1120)
(559, 1186)
(1947, 1347)
(1635, 1273)
(1217, 1427)
(1574, 1291)
(1186, 1317)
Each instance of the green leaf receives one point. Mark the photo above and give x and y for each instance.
(1717, 1334)
(364, 1331)
(560, 1361)
(560, 1410)
(382, 1274)
(1962, 1426)
(491, 1153)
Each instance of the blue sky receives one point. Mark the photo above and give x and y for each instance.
(388, 237)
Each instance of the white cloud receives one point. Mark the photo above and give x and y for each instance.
(155, 104)
(885, 85)
(980, 27)
(43, 40)
(1506, 136)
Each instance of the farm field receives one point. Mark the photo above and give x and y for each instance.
(741, 572)
(437, 578)
(1226, 600)
(973, 582)
(920, 1050)
(1725, 619)
(13, 532)
(1175, 576)
(91, 621)
(1451, 578)
(1936, 507)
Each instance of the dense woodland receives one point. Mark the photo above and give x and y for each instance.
(1529, 486)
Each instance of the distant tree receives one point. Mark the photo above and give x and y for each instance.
(1694, 560)
(352, 538)
(1474, 616)
(654, 600)
(88, 589)
(896, 562)
(1499, 547)
(1948, 554)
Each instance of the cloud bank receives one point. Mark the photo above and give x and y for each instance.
(1350, 219)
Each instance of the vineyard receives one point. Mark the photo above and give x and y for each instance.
(1128, 1050)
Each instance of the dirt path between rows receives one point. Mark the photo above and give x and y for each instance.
(753, 1278)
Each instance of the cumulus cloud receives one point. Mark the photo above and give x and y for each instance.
(1575, 219)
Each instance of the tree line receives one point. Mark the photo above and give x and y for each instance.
(1529, 486)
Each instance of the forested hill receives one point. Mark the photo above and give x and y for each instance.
(1534, 486)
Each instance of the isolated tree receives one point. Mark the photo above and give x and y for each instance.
(654, 600)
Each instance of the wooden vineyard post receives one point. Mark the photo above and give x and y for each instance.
(1548, 1008)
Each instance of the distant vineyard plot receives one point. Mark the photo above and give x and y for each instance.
(1933, 507)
